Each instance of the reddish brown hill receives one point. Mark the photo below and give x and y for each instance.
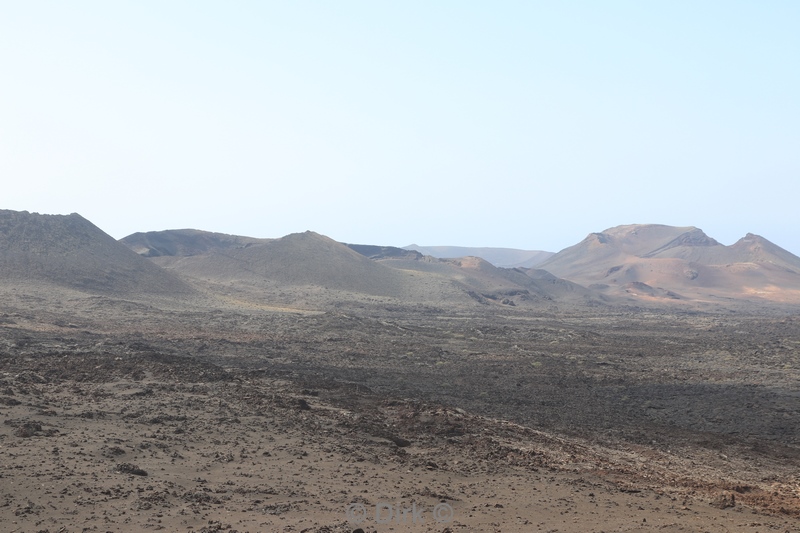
(655, 261)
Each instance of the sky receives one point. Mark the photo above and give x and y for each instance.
(511, 124)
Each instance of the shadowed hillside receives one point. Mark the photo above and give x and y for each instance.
(71, 252)
(185, 242)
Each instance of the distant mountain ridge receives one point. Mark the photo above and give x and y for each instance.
(184, 242)
(298, 259)
(653, 259)
(499, 257)
(640, 263)
(312, 260)
(384, 252)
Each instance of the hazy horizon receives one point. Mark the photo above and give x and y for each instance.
(517, 124)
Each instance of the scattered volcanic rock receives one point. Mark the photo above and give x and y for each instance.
(128, 468)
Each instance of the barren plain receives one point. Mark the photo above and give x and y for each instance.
(122, 416)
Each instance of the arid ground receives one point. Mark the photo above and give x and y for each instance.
(125, 415)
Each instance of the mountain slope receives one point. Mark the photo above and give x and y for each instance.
(485, 282)
(384, 252)
(501, 257)
(299, 259)
(656, 261)
(185, 242)
(69, 251)
(312, 266)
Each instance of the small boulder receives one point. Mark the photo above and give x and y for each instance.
(725, 500)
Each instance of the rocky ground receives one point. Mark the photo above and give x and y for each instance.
(119, 416)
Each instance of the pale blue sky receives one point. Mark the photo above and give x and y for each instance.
(519, 124)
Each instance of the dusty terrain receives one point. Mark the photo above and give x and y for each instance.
(193, 381)
(122, 416)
